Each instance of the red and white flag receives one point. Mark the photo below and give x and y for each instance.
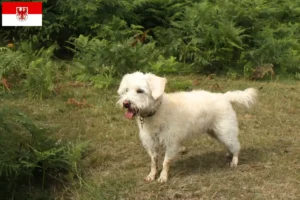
(22, 13)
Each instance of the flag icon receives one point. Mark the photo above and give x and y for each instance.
(22, 13)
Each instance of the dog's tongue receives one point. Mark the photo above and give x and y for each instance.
(129, 114)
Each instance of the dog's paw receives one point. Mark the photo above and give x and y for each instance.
(234, 162)
(163, 178)
(150, 178)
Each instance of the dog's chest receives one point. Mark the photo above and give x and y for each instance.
(150, 124)
(152, 127)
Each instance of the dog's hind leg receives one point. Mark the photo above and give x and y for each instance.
(228, 135)
(212, 134)
(234, 149)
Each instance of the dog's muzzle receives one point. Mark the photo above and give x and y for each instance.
(126, 104)
(131, 112)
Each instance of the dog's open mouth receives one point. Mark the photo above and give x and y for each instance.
(130, 113)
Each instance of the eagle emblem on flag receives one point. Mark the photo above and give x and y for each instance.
(22, 13)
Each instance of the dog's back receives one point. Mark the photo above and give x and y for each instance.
(245, 98)
(200, 110)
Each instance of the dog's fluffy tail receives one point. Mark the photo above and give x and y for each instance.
(246, 98)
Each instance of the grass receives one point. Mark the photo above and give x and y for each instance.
(116, 163)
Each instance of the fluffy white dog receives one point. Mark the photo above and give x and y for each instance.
(168, 119)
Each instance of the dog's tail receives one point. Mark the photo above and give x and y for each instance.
(246, 98)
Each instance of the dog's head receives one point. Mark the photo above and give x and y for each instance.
(140, 92)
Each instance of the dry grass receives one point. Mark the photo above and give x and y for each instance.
(116, 163)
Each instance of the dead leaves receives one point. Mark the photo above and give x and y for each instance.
(6, 84)
(196, 82)
(59, 87)
(10, 45)
(79, 104)
(215, 87)
(73, 101)
(140, 38)
(262, 70)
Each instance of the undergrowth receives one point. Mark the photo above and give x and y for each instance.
(231, 38)
(31, 158)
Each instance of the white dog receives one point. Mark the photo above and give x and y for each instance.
(168, 119)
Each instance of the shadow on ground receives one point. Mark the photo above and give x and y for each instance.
(217, 160)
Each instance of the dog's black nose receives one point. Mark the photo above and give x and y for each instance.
(126, 104)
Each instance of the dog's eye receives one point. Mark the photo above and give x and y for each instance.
(126, 90)
(140, 91)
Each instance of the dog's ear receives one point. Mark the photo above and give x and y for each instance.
(120, 89)
(157, 85)
(121, 86)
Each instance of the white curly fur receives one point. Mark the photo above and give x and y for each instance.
(181, 115)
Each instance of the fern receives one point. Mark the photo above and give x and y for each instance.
(121, 56)
(204, 36)
(163, 65)
(27, 150)
(42, 72)
(11, 62)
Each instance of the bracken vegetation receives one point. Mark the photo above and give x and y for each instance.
(100, 40)
(30, 159)
(84, 47)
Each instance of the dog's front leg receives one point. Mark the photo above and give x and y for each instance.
(171, 152)
(153, 171)
(150, 145)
